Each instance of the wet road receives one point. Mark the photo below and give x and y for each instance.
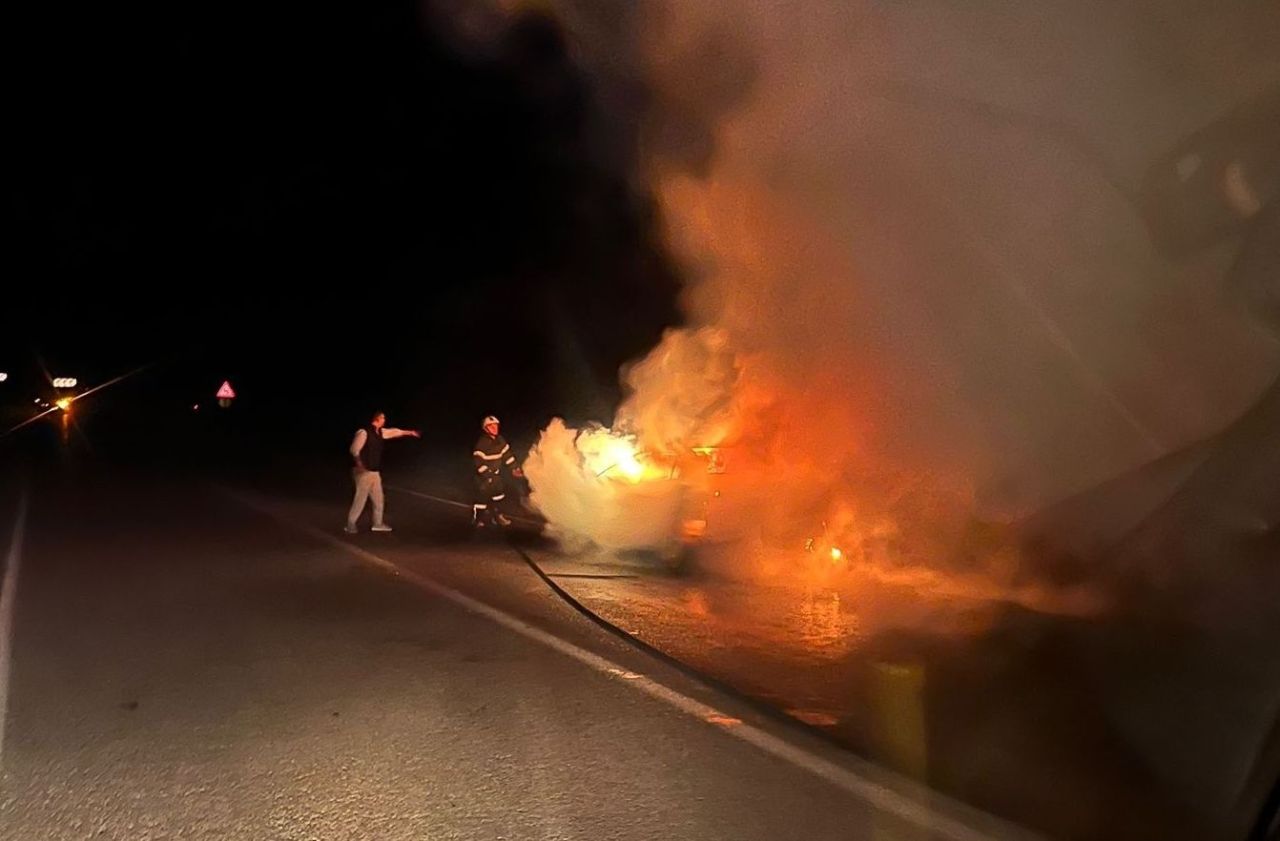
(186, 666)
(1079, 721)
(1076, 717)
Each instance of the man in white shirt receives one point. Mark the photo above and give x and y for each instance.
(366, 451)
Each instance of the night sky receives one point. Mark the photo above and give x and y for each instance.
(327, 203)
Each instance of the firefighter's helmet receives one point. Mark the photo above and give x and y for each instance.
(490, 419)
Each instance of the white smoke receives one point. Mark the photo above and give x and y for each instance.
(570, 471)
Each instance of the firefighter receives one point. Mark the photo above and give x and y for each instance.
(494, 460)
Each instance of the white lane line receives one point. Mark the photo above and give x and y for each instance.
(8, 597)
(870, 784)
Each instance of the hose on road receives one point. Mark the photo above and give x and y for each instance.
(694, 674)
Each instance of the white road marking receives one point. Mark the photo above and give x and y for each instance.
(874, 786)
(8, 597)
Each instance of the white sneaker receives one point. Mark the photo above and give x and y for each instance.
(383, 527)
(350, 529)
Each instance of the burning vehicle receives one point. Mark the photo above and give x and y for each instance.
(603, 489)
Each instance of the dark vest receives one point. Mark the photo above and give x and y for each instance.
(371, 454)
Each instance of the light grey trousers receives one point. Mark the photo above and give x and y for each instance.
(368, 486)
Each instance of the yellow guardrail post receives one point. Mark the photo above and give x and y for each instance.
(899, 735)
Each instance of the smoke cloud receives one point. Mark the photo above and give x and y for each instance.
(569, 473)
(925, 288)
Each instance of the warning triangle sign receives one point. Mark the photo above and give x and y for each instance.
(226, 392)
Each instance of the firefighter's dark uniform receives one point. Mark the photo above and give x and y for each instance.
(494, 460)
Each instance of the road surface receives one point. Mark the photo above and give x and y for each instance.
(186, 665)
(1079, 718)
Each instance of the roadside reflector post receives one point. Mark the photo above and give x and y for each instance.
(899, 737)
(897, 707)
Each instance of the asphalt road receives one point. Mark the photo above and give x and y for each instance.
(1079, 721)
(186, 666)
(1117, 724)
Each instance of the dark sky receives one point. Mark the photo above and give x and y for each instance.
(326, 203)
